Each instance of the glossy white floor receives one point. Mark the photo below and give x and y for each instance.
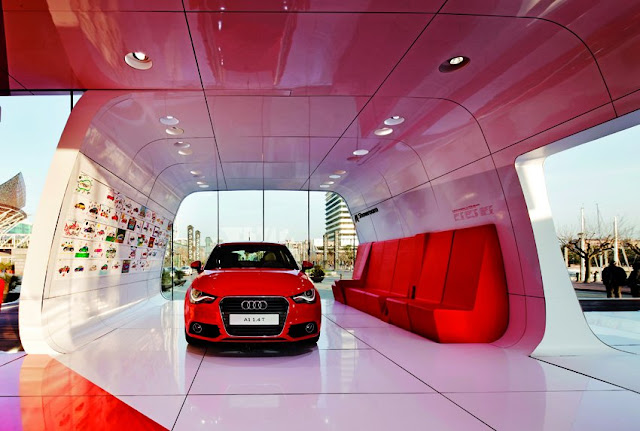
(364, 374)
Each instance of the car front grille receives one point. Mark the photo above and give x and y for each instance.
(233, 305)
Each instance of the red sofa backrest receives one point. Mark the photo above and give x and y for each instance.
(434, 267)
(362, 257)
(475, 264)
(408, 264)
(381, 265)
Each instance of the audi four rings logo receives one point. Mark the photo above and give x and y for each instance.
(254, 305)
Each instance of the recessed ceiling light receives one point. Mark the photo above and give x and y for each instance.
(334, 176)
(200, 183)
(394, 121)
(194, 172)
(185, 152)
(383, 132)
(329, 182)
(203, 186)
(340, 172)
(138, 60)
(360, 152)
(169, 120)
(325, 186)
(173, 130)
(181, 144)
(454, 63)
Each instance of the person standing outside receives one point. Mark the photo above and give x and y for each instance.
(614, 278)
(634, 280)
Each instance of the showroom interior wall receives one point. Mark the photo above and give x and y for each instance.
(450, 164)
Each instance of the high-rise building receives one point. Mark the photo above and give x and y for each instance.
(340, 238)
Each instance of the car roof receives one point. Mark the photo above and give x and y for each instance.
(250, 243)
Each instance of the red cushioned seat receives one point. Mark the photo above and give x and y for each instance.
(405, 276)
(430, 286)
(378, 279)
(474, 306)
(359, 271)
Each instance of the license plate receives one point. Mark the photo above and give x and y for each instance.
(254, 319)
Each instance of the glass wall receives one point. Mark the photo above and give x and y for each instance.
(30, 128)
(304, 221)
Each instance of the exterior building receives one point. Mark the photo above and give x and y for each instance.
(340, 238)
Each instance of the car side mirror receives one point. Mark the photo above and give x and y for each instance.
(306, 265)
(197, 265)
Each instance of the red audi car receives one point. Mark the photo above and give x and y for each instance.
(251, 292)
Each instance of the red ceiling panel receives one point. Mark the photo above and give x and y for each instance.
(517, 82)
(609, 29)
(343, 54)
(92, 5)
(315, 5)
(52, 50)
(287, 149)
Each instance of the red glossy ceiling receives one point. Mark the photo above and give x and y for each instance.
(278, 94)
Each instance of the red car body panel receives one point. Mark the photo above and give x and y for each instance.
(252, 283)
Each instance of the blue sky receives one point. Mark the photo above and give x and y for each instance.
(603, 173)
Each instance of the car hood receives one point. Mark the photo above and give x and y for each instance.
(252, 281)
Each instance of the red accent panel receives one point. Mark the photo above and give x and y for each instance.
(53, 396)
(381, 270)
(464, 269)
(476, 309)
(408, 264)
(338, 292)
(362, 257)
(359, 273)
(434, 268)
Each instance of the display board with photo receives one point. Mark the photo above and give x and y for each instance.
(107, 233)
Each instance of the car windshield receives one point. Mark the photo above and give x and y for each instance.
(251, 256)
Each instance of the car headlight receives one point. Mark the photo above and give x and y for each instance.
(199, 297)
(306, 297)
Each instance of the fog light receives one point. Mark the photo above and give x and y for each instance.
(310, 328)
(196, 328)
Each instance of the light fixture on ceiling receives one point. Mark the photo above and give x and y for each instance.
(454, 63)
(195, 172)
(181, 144)
(325, 186)
(329, 182)
(138, 60)
(169, 120)
(394, 121)
(361, 152)
(383, 131)
(185, 152)
(334, 176)
(340, 172)
(203, 186)
(173, 130)
(200, 183)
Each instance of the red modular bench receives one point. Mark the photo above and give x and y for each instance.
(454, 291)
(430, 285)
(405, 275)
(378, 278)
